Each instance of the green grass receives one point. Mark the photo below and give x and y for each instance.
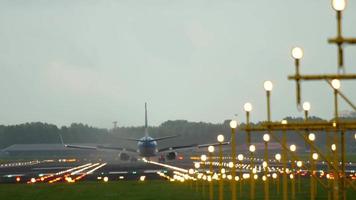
(133, 190)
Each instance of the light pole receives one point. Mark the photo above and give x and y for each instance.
(339, 6)
(248, 108)
(240, 157)
(278, 158)
(335, 83)
(196, 166)
(211, 150)
(203, 159)
(311, 138)
(252, 150)
(268, 86)
(292, 148)
(220, 139)
(297, 54)
(233, 125)
(299, 165)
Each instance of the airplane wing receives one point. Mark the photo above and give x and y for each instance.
(198, 146)
(98, 147)
(164, 138)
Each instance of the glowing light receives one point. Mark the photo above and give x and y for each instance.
(229, 177)
(223, 170)
(336, 84)
(203, 157)
(264, 178)
(231, 164)
(220, 138)
(252, 148)
(266, 137)
(291, 176)
(338, 5)
(255, 176)
(211, 149)
(248, 107)
(297, 53)
(245, 176)
(105, 179)
(18, 179)
(268, 85)
(306, 106)
(274, 175)
(191, 171)
(233, 123)
(278, 156)
(284, 122)
(293, 147)
(315, 156)
(333, 147)
(299, 163)
(197, 165)
(33, 180)
(237, 178)
(240, 157)
(264, 164)
(311, 136)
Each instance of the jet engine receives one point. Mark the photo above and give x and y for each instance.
(171, 155)
(124, 156)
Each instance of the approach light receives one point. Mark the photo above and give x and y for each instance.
(264, 164)
(297, 53)
(306, 106)
(284, 121)
(293, 147)
(191, 171)
(268, 85)
(311, 136)
(278, 156)
(252, 148)
(231, 164)
(336, 84)
(220, 138)
(240, 157)
(197, 165)
(211, 149)
(315, 156)
(233, 123)
(266, 137)
(299, 163)
(338, 5)
(248, 107)
(333, 147)
(274, 175)
(105, 179)
(203, 157)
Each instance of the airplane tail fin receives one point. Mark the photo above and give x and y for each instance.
(61, 139)
(146, 126)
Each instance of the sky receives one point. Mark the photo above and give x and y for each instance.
(96, 62)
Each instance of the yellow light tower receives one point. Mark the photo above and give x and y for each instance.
(240, 157)
(293, 148)
(196, 166)
(211, 150)
(311, 138)
(203, 160)
(299, 165)
(297, 54)
(233, 125)
(278, 158)
(220, 139)
(248, 108)
(339, 6)
(252, 150)
(268, 86)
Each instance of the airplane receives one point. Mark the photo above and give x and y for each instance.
(146, 146)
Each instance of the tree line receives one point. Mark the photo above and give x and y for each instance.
(187, 132)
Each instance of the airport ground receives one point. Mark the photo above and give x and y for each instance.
(123, 182)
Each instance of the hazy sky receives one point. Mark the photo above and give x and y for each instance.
(96, 61)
